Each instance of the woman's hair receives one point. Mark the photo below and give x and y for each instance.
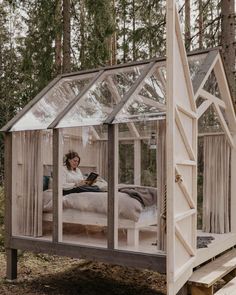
(69, 156)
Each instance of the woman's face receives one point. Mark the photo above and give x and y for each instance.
(74, 163)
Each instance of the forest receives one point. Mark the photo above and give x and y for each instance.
(42, 39)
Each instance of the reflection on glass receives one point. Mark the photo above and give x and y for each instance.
(194, 62)
(42, 114)
(126, 162)
(199, 101)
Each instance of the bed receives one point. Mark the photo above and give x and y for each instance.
(90, 208)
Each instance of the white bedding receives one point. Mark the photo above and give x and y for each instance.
(128, 207)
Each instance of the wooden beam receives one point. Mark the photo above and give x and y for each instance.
(186, 112)
(185, 190)
(224, 125)
(112, 206)
(204, 94)
(225, 93)
(152, 103)
(203, 107)
(84, 92)
(156, 262)
(181, 238)
(8, 183)
(233, 186)
(204, 72)
(184, 136)
(11, 270)
(57, 185)
(134, 89)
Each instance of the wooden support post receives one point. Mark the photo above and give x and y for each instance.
(11, 273)
(137, 162)
(57, 187)
(112, 186)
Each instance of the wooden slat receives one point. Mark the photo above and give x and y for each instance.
(208, 274)
(184, 136)
(156, 262)
(212, 98)
(225, 93)
(204, 72)
(186, 112)
(224, 125)
(184, 215)
(228, 289)
(185, 190)
(186, 163)
(11, 271)
(203, 107)
(183, 241)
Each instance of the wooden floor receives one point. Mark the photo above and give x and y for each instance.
(220, 243)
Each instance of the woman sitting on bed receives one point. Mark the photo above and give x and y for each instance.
(73, 180)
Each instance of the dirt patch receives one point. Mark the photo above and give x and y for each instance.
(44, 274)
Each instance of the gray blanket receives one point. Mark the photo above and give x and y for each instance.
(147, 196)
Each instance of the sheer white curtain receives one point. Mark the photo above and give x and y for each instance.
(216, 184)
(32, 183)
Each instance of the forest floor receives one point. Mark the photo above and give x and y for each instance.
(43, 274)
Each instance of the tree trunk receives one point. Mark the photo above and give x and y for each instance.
(58, 57)
(82, 33)
(187, 25)
(66, 36)
(228, 42)
(200, 24)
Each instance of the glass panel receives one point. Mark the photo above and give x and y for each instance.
(32, 186)
(209, 122)
(154, 88)
(94, 107)
(43, 113)
(84, 206)
(137, 187)
(138, 109)
(211, 85)
(126, 162)
(194, 62)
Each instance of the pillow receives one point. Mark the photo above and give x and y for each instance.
(101, 183)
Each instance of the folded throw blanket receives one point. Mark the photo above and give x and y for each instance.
(147, 196)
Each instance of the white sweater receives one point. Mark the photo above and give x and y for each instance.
(71, 177)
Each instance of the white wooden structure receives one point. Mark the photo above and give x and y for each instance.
(131, 101)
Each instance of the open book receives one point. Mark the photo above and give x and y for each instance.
(91, 178)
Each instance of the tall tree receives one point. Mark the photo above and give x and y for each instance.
(66, 36)
(228, 42)
(187, 25)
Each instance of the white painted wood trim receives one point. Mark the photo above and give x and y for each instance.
(233, 186)
(186, 163)
(185, 191)
(186, 112)
(183, 241)
(184, 215)
(224, 125)
(203, 108)
(205, 94)
(225, 93)
(184, 136)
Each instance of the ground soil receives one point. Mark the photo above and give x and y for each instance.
(43, 274)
